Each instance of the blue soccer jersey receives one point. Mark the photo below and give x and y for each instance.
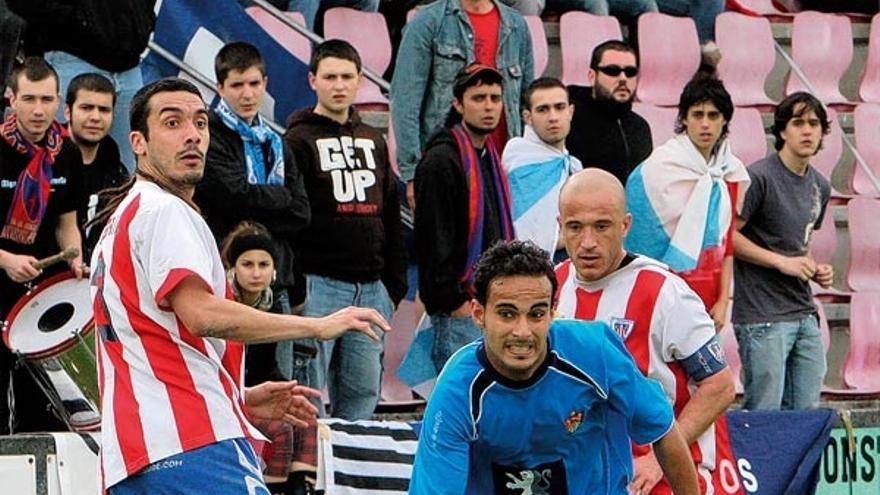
(565, 431)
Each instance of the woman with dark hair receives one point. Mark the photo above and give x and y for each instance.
(248, 256)
(685, 196)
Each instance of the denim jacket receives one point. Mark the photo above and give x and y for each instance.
(437, 43)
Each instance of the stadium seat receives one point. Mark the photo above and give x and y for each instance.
(748, 57)
(822, 46)
(731, 350)
(669, 54)
(392, 146)
(827, 158)
(863, 272)
(661, 120)
(824, 328)
(371, 40)
(292, 41)
(539, 43)
(579, 33)
(861, 368)
(747, 138)
(758, 8)
(869, 88)
(866, 123)
(404, 323)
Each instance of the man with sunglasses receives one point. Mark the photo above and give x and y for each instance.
(605, 132)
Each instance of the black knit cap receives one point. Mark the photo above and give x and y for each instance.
(246, 242)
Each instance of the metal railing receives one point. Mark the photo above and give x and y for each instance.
(799, 73)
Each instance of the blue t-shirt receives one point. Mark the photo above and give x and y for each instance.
(566, 430)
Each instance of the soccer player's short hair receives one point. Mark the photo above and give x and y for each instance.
(336, 49)
(785, 111)
(704, 88)
(542, 83)
(512, 258)
(89, 81)
(239, 56)
(612, 45)
(34, 69)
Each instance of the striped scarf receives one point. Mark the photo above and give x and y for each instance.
(253, 137)
(470, 163)
(31, 196)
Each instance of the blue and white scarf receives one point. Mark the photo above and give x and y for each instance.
(536, 172)
(680, 203)
(253, 137)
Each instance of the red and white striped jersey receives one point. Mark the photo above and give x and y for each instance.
(164, 390)
(661, 320)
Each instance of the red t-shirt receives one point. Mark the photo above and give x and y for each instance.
(486, 27)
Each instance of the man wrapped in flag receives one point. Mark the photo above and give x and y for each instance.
(538, 163)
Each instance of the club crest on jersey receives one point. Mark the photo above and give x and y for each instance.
(622, 327)
(574, 421)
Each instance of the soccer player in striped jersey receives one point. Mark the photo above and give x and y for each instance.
(175, 414)
(662, 322)
(540, 405)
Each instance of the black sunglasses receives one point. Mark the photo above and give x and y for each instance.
(615, 70)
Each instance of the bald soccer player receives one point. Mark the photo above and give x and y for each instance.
(662, 322)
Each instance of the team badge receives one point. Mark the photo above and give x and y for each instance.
(717, 352)
(622, 327)
(574, 421)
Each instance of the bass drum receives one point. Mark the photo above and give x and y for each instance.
(51, 329)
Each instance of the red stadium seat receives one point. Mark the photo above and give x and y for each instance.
(404, 324)
(822, 46)
(293, 42)
(832, 150)
(662, 121)
(669, 51)
(747, 138)
(368, 33)
(866, 123)
(758, 8)
(579, 33)
(863, 273)
(861, 369)
(869, 88)
(748, 57)
(539, 43)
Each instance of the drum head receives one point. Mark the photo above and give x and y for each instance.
(50, 316)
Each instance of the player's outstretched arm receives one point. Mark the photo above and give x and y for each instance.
(675, 459)
(206, 315)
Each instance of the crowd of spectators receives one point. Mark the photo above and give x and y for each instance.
(484, 151)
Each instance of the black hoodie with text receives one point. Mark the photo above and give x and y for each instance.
(355, 234)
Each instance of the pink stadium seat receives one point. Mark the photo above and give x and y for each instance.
(863, 273)
(661, 120)
(669, 52)
(832, 150)
(293, 42)
(397, 341)
(747, 138)
(579, 33)
(866, 123)
(748, 57)
(539, 43)
(368, 33)
(822, 46)
(823, 323)
(731, 350)
(758, 8)
(861, 369)
(392, 146)
(869, 88)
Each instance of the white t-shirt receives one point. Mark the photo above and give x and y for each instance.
(164, 390)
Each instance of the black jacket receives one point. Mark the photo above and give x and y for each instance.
(607, 135)
(441, 224)
(226, 199)
(355, 234)
(109, 34)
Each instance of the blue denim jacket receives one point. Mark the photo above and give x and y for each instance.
(437, 43)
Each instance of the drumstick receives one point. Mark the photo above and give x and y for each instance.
(69, 253)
